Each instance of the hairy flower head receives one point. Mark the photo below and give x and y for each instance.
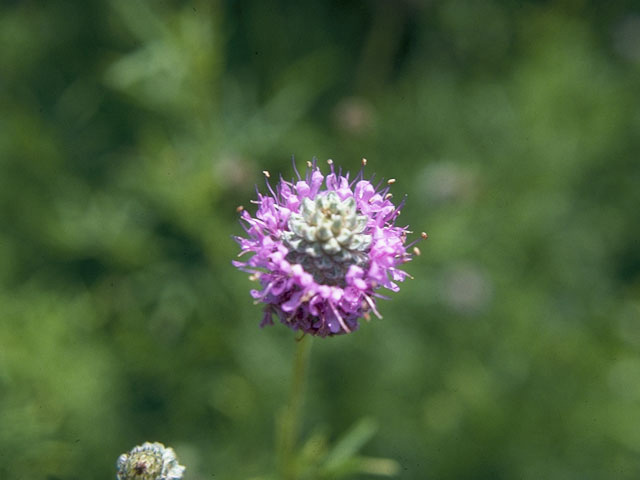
(149, 461)
(321, 246)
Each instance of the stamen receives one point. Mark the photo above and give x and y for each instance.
(416, 250)
(340, 320)
(267, 176)
(239, 208)
(391, 181)
(295, 169)
(264, 294)
(424, 235)
(372, 305)
(364, 162)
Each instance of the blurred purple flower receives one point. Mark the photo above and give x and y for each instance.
(321, 248)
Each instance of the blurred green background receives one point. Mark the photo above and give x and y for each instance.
(129, 132)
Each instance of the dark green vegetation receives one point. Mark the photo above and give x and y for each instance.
(131, 130)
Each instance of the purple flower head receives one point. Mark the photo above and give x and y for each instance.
(321, 246)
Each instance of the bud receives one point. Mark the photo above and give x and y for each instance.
(149, 461)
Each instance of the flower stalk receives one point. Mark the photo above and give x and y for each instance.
(289, 419)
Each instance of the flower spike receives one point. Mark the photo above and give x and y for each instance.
(322, 246)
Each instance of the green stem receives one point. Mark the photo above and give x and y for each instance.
(290, 418)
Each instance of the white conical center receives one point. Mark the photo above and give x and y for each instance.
(326, 238)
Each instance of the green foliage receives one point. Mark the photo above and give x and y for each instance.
(131, 130)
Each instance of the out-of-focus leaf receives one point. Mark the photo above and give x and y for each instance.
(350, 444)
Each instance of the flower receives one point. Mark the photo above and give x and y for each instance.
(321, 248)
(149, 461)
